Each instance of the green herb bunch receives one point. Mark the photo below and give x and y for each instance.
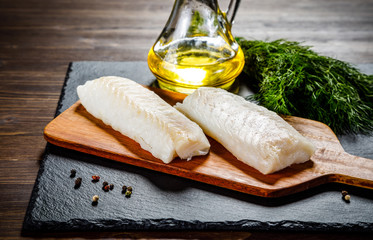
(291, 79)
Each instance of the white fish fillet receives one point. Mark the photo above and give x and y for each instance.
(144, 117)
(253, 134)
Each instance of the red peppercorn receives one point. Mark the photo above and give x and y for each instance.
(95, 178)
(106, 188)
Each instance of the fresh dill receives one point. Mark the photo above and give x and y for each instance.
(291, 79)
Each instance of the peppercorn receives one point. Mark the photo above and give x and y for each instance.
(95, 198)
(129, 189)
(106, 188)
(72, 173)
(104, 184)
(78, 182)
(344, 193)
(128, 194)
(95, 178)
(347, 198)
(124, 189)
(111, 186)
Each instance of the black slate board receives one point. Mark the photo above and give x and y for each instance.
(164, 202)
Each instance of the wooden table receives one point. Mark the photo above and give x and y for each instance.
(38, 39)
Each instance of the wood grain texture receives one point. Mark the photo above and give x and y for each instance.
(78, 130)
(38, 38)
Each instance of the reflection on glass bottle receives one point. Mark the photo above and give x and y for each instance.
(196, 48)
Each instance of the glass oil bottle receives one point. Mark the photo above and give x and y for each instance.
(196, 48)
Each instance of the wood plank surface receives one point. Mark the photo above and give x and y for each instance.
(76, 129)
(38, 38)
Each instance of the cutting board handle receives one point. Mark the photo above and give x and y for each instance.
(345, 168)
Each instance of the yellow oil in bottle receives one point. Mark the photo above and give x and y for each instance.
(186, 69)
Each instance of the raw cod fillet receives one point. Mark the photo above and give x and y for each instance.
(253, 134)
(144, 117)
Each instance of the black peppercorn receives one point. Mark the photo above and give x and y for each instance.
(111, 186)
(72, 173)
(124, 189)
(78, 182)
(104, 184)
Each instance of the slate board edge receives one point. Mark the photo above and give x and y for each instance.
(81, 225)
(35, 191)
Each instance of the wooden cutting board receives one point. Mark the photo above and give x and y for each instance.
(76, 129)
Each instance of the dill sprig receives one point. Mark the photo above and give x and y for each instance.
(291, 79)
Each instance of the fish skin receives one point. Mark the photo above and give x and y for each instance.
(143, 116)
(252, 133)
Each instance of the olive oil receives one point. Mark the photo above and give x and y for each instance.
(185, 68)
